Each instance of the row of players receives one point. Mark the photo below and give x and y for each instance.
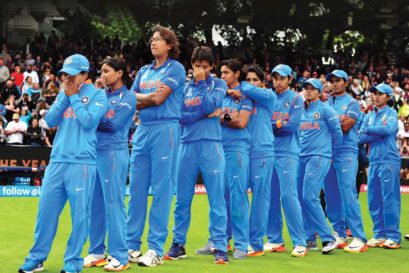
(221, 128)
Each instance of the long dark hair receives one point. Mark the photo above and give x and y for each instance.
(119, 64)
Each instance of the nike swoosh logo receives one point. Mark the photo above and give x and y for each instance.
(297, 106)
(106, 180)
(286, 172)
(257, 176)
(216, 171)
(235, 176)
(344, 171)
(98, 104)
(79, 189)
(353, 247)
(165, 157)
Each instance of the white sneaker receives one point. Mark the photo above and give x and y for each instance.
(328, 247)
(376, 242)
(341, 241)
(116, 266)
(150, 259)
(299, 251)
(95, 260)
(273, 247)
(134, 255)
(356, 246)
(391, 244)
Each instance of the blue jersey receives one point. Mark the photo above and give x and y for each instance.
(379, 130)
(320, 130)
(261, 135)
(113, 129)
(288, 109)
(149, 78)
(199, 100)
(347, 107)
(77, 118)
(236, 140)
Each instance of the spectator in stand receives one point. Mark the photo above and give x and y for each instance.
(18, 76)
(355, 87)
(305, 76)
(403, 140)
(34, 136)
(26, 102)
(6, 56)
(42, 105)
(326, 92)
(4, 72)
(11, 108)
(15, 130)
(25, 116)
(3, 136)
(32, 73)
(8, 90)
(28, 83)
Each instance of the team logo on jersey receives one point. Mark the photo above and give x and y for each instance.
(84, 100)
(317, 115)
(287, 104)
(384, 120)
(114, 101)
(344, 107)
(162, 71)
(236, 101)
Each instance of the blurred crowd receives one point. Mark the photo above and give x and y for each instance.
(29, 81)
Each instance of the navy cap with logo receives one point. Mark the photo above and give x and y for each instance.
(75, 64)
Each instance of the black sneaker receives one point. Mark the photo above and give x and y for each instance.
(175, 252)
(407, 236)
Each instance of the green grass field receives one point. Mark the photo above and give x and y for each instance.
(17, 226)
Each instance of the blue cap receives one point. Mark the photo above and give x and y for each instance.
(383, 88)
(282, 69)
(75, 64)
(316, 83)
(337, 73)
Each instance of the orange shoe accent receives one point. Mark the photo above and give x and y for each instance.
(348, 232)
(364, 249)
(167, 258)
(256, 254)
(278, 249)
(98, 263)
(390, 247)
(342, 246)
(228, 248)
(220, 261)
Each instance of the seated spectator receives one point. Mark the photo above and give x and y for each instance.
(28, 83)
(4, 72)
(25, 116)
(9, 89)
(42, 105)
(30, 72)
(34, 92)
(355, 87)
(403, 140)
(26, 102)
(3, 136)
(11, 108)
(34, 136)
(17, 75)
(15, 130)
(51, 92)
